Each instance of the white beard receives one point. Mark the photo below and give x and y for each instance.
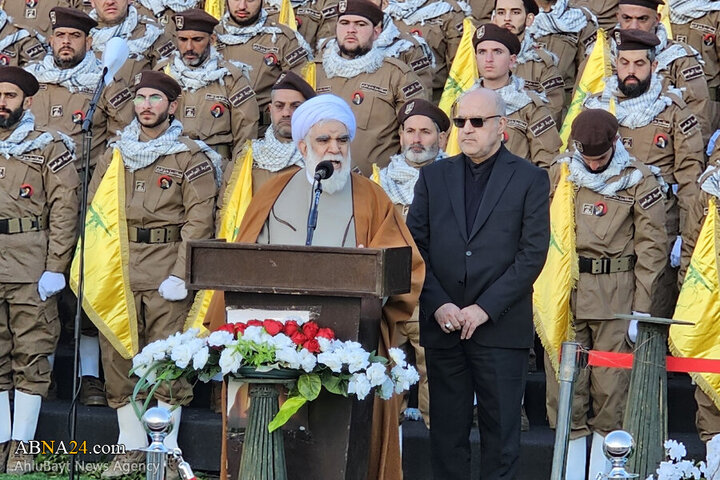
(428, 154)
(338, 180)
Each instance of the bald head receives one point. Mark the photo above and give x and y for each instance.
(486, 95)
(487, 107)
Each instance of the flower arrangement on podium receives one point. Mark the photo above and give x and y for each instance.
(306, 351)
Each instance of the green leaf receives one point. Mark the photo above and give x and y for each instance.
(335, 385)
(309, 386)
(377, 359)
(287, 410)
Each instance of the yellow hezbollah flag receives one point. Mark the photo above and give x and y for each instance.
(107, 298)
(236, 199)
(463, 74)
(592, 81)
(308, 74)
(551, 297)
(664, 11)
(375, 177)
(287, 16)
(216, 8)
(699, 302)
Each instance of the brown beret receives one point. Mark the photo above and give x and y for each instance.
(195, 19)
(653, 4)
(17, 76)
(490, 31)
(292, 81)
(362, 8)
(427, 109)
(594, 131)
(159, 81)
(62, 17)
(634, 39)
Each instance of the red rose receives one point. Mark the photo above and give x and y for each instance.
(326, 333)
(298, 338)
(254, 323)
(312, 346)
(290, 328)
(228, 327)
(273, 327)
(310, 329)
(240, 328)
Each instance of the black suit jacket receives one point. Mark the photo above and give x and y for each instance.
(496, 265)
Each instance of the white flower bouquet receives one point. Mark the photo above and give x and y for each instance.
(676, 468)
(319, 359)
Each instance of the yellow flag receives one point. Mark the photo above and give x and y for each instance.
(375, 177)
(551, 296)
(287, 15)
(592, 81)
(308, 74)
(107, 298)
(235, 203)
(664, 11)
(699, 302)
(463, 74)
(216, 8)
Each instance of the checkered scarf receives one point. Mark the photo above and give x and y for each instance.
(271, 154)
(514, 94)
(601, 182)
(561, 19)
(237, 35)
(665, 55)
(8, 40)
(398, 178)
(159, 6)
(710, 180)
(16, 145)
(195, 78)
(84, 75)
(389, 39)
(137, 46)
(685, 11)
(337, 66)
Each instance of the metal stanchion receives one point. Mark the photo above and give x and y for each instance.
(570, 362)
(618, 447)
(158, 423)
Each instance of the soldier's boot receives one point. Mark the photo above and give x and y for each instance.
(19, 461)
(127, 463)
(92, 392)
(599, 464)
(576, 459)
(4, 453)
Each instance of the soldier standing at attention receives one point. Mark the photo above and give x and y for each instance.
(18, 45)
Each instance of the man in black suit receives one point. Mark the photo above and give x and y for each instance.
(481, 222)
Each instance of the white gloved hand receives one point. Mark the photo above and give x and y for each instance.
(173, 289)
(675, 253)
(50, 283)
(633, 326)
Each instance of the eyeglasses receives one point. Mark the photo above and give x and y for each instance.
(476, 122)
(154, 99)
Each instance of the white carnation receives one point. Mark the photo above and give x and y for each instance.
(675, 450)
(288, 356)
(332, 360)
(359, 385)
(376, 374)
(397, 356)
(326, 345)
(157, 350)
(182, 355)
(387, 389)
(256, 334)
(281, 341)
(220, 338)
(307, 360)
(200, 358)
(357, 359)
(404, 377)
(230, 360)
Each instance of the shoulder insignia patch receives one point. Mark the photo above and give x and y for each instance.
(517, 124)
(590, 40)
(688, 124)
(35, 50)
(314, 14)
(658, 122)
(530, 85)
(693, 72)
(373, 88)
(702, 27)
(459, 27)
(217, 98)
(326, 89)
(412, 89)
(620, 198)
(295, 56)
(39, 159)
(60, 161)
(553, 83)
(242, 96)
(166, 49)
(420, 64)
(9, 53)
(263, 49)
(199, 170)
(123, 96)
(651, 198)
(542, 126)
(330, 12)
(168, 171)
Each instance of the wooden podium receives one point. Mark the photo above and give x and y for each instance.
(344, 287)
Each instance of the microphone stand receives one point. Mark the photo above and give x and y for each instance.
(87, 144)
(313, 214)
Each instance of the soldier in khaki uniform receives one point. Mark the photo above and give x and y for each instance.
(440, 23)
(170, 194)
(163, 11)
(537, 66)
(18, 45)
(423, 135)
(38, 220)
(269, 48)
(531, 129)
(604, 11)
(621, 247)
(482, 10)
(218, 105)
(375, 86)
(34, 14)
(566, 32)
(657, 127)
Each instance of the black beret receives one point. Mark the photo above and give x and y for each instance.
(594, 131)
(17, 76)
(490, 31)
(634, 39)
(362, 8)
(195, 19)
(292, 81)
(62, 17)
(653, 4)
(427, 109)
(159, 81)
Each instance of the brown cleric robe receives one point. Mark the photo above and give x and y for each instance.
(377, 225)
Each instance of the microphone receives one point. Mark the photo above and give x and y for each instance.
(324, 170)
(115, 54)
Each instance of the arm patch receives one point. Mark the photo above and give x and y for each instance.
(651, 198)
(199, 170)
(166, 49)
(295, 56)
(688, 124)
(693, 72)
(420, 64)
(60, 161)
(412, 89)
(553, 83)
(242, 96)
(123, 96)
(542, 126)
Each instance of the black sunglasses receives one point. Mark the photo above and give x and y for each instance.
(476, 122)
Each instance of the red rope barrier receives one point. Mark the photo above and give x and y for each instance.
(674, 364)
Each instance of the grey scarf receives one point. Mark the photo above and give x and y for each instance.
(8, 40)
(124, 30)
(237, 35)
(195, 78)
(271, 154)
(84, 75)
(159, 6)
(16, 145)
(561, 19)
(528, 52)
(337, 66)
(710, 180)
(514, 94)
(600, 182)
(398, 179)
(685, 11)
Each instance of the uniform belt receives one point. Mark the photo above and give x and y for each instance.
(597, 266)
(167, 234)
(21, 225)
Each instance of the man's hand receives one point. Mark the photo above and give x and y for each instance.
(474, 316)
(449, 317)
(50, 283)
(173, 289)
